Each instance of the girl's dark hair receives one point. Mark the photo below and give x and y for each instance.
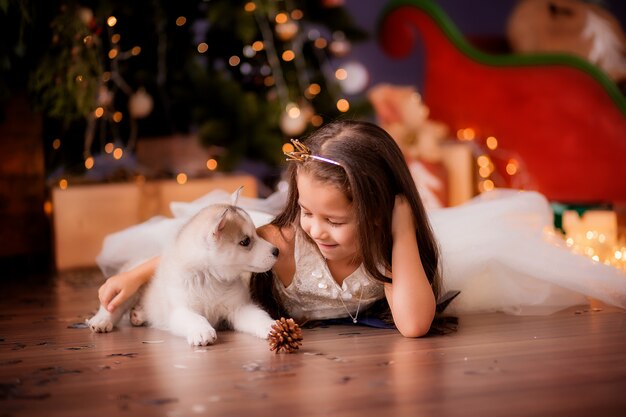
(372, 172)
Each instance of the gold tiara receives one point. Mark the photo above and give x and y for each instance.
(302, 153)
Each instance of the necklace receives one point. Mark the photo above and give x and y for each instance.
(356, 315)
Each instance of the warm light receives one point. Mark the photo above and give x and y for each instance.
(234, 60)
(288, 55)
(106, 76)
(56, 144)
(257, 46)
(618, 255)
(63, 184)
(181, 178)
(211, 164)
(117, 116)
(281, 18)
(293, 111)
(87, 40)
(250, 6)
(108, 148)
(89, 162)
(466, 134)
(314, 89)
(484, 172)
(79, 78)
(492, 143)
(341, 74)
(111, 21)
(343, 105)
(203, 47)
(112, 53)
(115, 38)
(47, 207)
(181, 20)
(483, 161)
(118, 153)
(320, 43)
(511, 167)
(288, 147)
(488, 185)
(296, 14)
(99, 112)
(268, 81)
(135, 51)
(317, 120)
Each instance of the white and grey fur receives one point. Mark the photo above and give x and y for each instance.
(202, 280)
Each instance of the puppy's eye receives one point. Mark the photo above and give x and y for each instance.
(245, 241)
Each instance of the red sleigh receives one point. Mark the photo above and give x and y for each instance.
(564, 117)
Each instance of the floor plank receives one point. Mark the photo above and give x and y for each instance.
(572, 363)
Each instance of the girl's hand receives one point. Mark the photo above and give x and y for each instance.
(402, 217)
(118, 289)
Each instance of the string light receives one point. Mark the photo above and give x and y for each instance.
(492, 143)
(63, 184)
(343, 105)
(249, 6)
(181, 20)
(118, 153)
(111, 21)
(117, 117)
(288, 55)
(109, 147)
(56, 144)
(203, 47)
(211, 164)
(234, 60)
(89, 162)
(287, 147)
(341, 74)
(47, 207)
(99, 112)
(181, 178)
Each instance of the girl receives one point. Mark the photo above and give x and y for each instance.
(353, 233)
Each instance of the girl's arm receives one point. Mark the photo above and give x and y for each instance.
(410, 295)
(122, 286)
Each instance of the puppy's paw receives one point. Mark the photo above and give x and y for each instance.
(100, 324)
(264, 328)
(202, 335)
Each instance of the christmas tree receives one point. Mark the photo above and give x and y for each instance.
(245, 76)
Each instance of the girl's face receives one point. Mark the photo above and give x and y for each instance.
(327, 217)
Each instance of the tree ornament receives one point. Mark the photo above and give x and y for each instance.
(285, 335)
(357, 78)
(105, 96)
(85, 14)
(339, 46)
(294, 120)
(140, 104)
(286, 31)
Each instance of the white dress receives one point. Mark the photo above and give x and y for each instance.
(494, 249)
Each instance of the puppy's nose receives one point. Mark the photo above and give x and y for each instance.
(275, 252)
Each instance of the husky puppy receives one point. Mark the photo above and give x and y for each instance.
(202, 280)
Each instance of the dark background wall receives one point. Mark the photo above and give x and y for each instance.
(474, 18)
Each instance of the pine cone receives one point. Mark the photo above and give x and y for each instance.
(286, 335)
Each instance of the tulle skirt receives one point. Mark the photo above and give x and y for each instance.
(496, 249)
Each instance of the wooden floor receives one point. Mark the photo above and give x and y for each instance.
(572, 363)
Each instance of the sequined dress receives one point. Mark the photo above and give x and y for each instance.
(314, 294)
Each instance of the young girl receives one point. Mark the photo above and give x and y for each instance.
(353, 233)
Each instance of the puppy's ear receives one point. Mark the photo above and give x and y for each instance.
(234, 197)
(220, 222)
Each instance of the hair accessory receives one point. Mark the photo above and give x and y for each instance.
(303, 153)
